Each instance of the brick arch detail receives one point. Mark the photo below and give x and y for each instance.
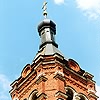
(71, 88)
(70, 92)
(34, 92)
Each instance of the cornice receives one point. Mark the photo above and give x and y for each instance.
(75, 83)
(93, 96)
(75, 73)
(27, 78)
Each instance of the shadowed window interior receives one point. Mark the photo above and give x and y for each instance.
(34, 97)
(69, 93)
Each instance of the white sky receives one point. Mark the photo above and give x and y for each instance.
(90, 8)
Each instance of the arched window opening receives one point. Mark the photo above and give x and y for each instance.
(33, 95)
(69, 93)
(25, 99)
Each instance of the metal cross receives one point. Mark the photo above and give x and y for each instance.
(44, 9)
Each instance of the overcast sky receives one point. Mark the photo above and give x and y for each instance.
(78, 35)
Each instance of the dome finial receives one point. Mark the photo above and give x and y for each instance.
(44, 9)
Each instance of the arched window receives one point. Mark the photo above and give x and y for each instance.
(33, 95)
(70, 94)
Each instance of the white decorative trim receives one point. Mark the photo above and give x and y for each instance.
(61, 94)
(77, 97)
(59, 72)
(90, 90)
(41, 74)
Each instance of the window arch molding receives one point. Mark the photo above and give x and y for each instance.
(70, 92)
(70, 88)
(33, 95)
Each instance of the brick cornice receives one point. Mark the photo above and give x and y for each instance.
(28, 79)
(75, 83)
(76, 76)
(91, 95)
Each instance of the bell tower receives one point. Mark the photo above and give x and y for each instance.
(51, 76)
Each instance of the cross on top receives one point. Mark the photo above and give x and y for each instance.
(44, 9)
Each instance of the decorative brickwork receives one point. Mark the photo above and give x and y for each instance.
(53, 79)
(51, 76)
